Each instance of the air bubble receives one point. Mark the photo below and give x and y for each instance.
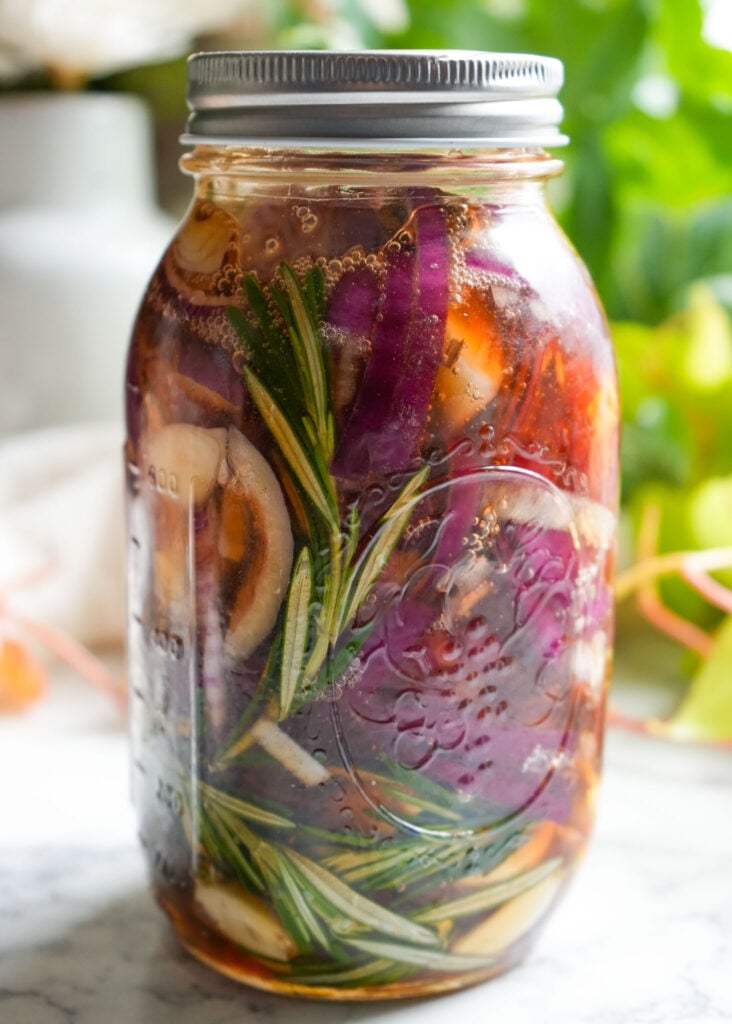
(271, 246)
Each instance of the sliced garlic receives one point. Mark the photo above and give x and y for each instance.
(540, 505)
(471, 378)
(244, 920)
(182, 461)
(207, 239)
(512, 921)
(465, 390)
(202, 262)
(256, 491)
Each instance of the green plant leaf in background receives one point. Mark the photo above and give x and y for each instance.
(706, 711)
(710, 519)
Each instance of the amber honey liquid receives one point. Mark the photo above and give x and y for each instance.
(407, 821)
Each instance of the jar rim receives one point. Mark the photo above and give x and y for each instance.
(370, 98)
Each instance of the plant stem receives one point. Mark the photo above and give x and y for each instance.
(657, 728)
(74, 654)
(648, 569)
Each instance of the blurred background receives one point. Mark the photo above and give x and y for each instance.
(92, 100)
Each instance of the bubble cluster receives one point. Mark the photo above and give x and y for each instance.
(308, 220)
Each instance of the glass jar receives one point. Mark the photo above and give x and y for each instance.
(372, 479)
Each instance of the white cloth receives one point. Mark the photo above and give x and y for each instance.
(62, 518)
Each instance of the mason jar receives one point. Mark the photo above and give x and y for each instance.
(372, 482)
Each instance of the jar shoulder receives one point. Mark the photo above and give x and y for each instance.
(483, 294)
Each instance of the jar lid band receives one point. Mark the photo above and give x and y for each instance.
(370, 97)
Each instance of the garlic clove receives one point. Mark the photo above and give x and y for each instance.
(244, 920)
(182, 462)
(255, 524)
(512, 921)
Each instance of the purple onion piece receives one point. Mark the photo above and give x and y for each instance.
(463, 503)
(499, 722)
(506, 764)
(424, 343)
(370, 417)
(212, 368)
(383, 430)
(489, 263)
(352, 305)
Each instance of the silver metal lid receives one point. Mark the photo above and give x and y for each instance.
(369, 98)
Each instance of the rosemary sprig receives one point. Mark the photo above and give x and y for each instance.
(356, 908)
(377, 971)
(288, 377)
(489, 897)
(327, 887)
(307, 471)
(289, 875)
(416, 956)
(391, 527)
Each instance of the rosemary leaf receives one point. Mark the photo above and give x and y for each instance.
(327, 624)
(263, 342)
(410, 863)
(362, 867)
(408, 491)
(490, 897)
(295, 630)
(330, 434)
(392, 526)
(375, 972)
(310, 431)
(286, 909)
(352, 535)
(250, 812)
(357, 907)
(417, 790)
(433, 960)
(306, 341)
(454, 863)
(234, 857)
(289, 883)
(323, 498)
(415, 800)
(315, 292)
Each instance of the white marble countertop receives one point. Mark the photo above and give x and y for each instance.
(644, 936)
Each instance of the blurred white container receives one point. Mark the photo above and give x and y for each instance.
(79, 238)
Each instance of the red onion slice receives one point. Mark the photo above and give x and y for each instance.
(382, 432)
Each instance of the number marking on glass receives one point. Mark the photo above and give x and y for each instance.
(163, 481)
